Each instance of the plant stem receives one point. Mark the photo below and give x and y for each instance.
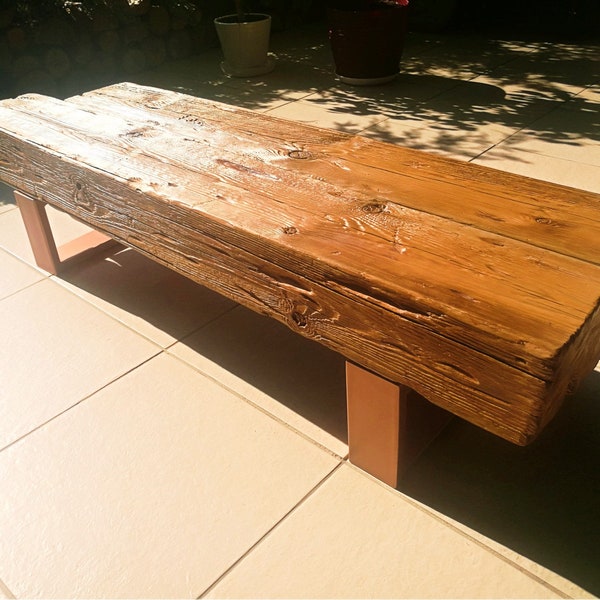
(239, 10)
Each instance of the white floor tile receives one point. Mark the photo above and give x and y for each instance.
(5, 592)
(548, 168)
(148, 297)
(150, 489)
(15, 275)
(354, 538)
(56, 349)
(157, 484)
(567, 134)
(435, 136)
(295, 379)
(322, 115)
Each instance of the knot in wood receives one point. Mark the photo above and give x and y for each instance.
(192, 119)
(300, 154)
(375, 207)
(290, 230)
(79, 191)
(135, 133)
(300, 319)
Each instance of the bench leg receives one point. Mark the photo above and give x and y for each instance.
(389, 424)
(47, 255)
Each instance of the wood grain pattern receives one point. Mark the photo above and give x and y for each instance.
(478, 289)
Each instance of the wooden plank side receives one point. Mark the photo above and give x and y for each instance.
(478, 289)
(432, 238)
(577, 360)
(272, 272)
(251, 160)
(551, 216)
(469, 384)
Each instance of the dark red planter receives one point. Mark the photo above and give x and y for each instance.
(367, 44)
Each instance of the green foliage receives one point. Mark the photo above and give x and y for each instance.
(28, 11)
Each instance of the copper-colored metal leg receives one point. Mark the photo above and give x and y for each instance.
(39, 232)
(389, 424)
(47, 255)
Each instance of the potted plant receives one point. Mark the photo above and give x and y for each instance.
(367, 39)
(244, 38)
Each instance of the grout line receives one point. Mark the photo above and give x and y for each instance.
(517, 131)
(285, 103)
(6, 207)
(294, 509)
(57, 281)
(78, 402)
(462, 532)
(25, 261)
(256, 406)
(240, 396)
(473, 158)
(200, 327)
(5, 591)
(65, 285)
(25, 287)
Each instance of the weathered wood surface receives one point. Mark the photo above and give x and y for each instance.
(477, 288)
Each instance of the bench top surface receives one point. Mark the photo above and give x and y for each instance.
(504, 266)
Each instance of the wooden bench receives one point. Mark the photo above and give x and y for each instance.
(450, 288)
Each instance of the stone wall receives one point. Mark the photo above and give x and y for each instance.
(60, 47)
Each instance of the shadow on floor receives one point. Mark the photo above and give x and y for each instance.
(299, 373)
(7, 198)
(541, 501)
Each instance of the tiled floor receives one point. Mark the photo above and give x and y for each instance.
(158, 441)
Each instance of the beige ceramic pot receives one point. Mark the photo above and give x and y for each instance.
(245, 44)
